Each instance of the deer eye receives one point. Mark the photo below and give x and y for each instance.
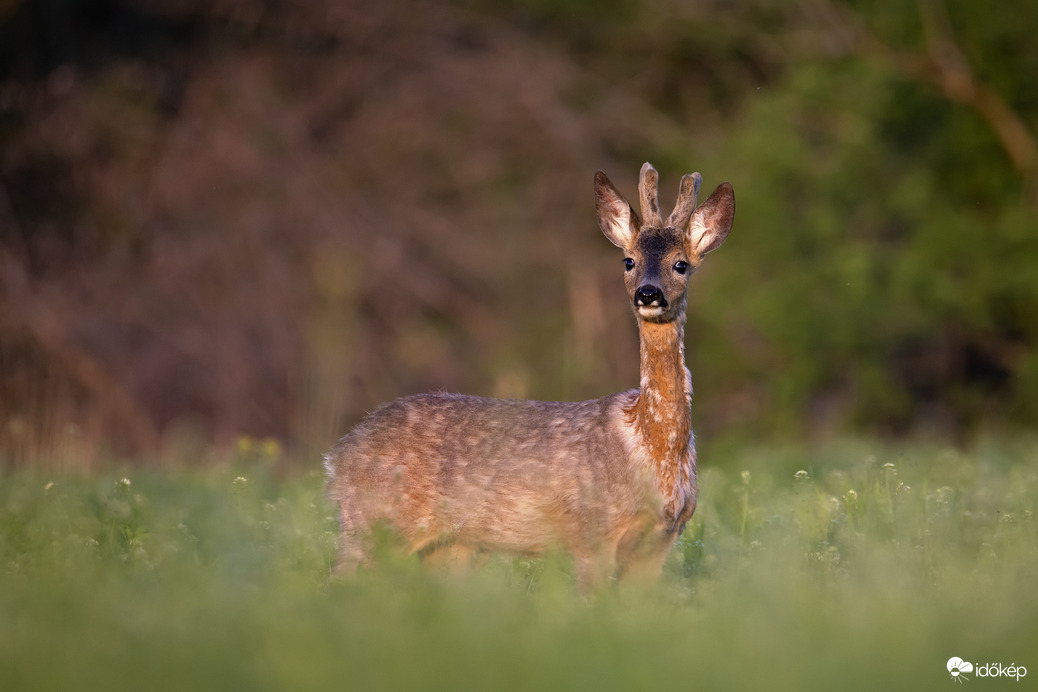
(681, 266)
(629, 263)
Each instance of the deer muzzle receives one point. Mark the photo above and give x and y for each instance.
(649, 296)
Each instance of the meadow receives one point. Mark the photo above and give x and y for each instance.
(266, 218)
(853, 565)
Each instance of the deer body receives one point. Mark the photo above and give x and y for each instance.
(611, 481)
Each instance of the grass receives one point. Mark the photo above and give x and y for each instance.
(854, 566)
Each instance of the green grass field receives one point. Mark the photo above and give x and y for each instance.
(854, 566)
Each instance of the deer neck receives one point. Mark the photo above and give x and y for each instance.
(662, 413)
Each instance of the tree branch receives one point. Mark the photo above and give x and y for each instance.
(945, 66)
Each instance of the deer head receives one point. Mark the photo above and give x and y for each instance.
(660, 257)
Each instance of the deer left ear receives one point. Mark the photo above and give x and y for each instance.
(711, 222)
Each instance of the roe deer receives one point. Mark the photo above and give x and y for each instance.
(611, 481)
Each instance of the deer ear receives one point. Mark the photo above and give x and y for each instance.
(711, 222)
(617, 220)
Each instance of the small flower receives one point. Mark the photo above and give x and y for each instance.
(123, 483)
(801, 475)
(240, 481)
(745, 477)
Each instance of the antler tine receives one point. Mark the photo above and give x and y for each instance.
(647, 180)
(688, 195)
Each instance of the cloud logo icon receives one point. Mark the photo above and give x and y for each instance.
(957, 667)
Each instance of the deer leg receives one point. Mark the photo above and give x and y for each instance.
(593, 569)
(350, 552)
(453, 558)
(640, 556)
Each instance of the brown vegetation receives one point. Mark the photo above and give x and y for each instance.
(202, 204)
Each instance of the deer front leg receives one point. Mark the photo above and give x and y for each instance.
(641, 554)
(593, 569)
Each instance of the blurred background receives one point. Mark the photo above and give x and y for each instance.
(236, 219)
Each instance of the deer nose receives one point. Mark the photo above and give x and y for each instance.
(649, 295)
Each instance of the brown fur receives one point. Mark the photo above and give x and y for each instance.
(611, 481)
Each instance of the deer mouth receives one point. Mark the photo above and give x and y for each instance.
(650, 305)
(650, 311)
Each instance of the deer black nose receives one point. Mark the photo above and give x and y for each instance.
(649, 295)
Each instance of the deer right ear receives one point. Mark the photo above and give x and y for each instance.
(617, 220)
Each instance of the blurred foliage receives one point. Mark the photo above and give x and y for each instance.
(254, 218)
(851, 563)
